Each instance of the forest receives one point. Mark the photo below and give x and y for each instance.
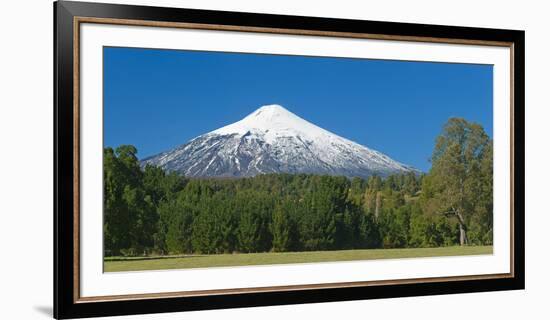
(148, 211)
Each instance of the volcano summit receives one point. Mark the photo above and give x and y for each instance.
(274, 140)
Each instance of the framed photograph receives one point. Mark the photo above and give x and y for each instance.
(208, 160)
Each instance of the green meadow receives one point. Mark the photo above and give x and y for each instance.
(117, 264)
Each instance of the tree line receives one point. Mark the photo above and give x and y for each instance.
(149, 211)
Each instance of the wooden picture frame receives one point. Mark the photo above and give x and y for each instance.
(68, 301)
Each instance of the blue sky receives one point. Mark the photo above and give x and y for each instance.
(158, 99)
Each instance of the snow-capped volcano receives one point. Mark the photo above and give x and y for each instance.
(274, 140)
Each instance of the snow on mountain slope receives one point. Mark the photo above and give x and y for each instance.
(274, 140)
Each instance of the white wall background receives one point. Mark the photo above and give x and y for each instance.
(26, 158)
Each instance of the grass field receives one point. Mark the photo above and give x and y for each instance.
(114, 264)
